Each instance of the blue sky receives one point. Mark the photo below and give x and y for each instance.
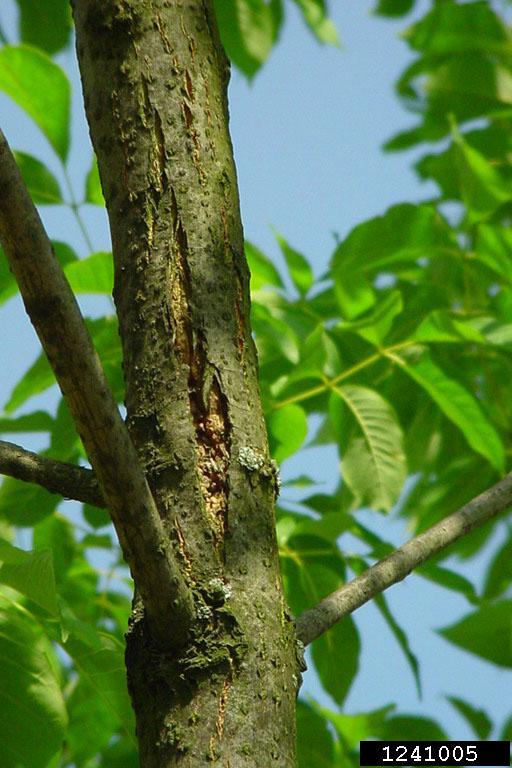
(307, 135)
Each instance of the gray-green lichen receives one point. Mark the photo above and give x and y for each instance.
(255, 461)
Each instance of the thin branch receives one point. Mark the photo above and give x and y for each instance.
(399, 564)
(54, 312)
(69, 481)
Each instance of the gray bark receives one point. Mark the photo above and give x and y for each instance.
(155, 77)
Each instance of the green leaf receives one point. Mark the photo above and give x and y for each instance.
(499, 575)
(55, 533)
(394, 8)
(37, 379)
(493, 247)
(441, 326)
(248, 30)
(352, 729)
(452, 28)
(93, 191)
(30, 573)
(342, 639)
(8, 286)
(40, 87)
(288, 427)
(375, 326)
(45, 23)
(410, 727)
(458, 405)
(482, 188)
(401, 639)
(315, 745)
(91, 725)
(487, 633)
(373, 460)
(477, 718)
(25, 504)
(315, 16)
(263, 272)
(463, 86)
(94, 274)
(298, 267)
(449, 579)
(38, 421)
(96, 516)
(41, 183)
(99, 660)
(403, 234)
(39, 376)
(33, 715)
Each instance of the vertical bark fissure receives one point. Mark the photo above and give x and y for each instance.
(156, 69)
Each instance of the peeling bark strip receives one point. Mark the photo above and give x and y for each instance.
(155, 79)
(56, 317)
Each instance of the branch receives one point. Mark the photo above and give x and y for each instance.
(54, 312)
(399, 564)
(69, 481)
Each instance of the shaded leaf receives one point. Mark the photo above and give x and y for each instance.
(96, 516)
(99, 659)
(39, 376)
(25, 504)
(30, 573)
(33, 714)
(55, 533)
(499, 575)
(91, 724)
(38, 421)
(449, 579)
(482, 188)
(394, 7)
(404, 233)
(487, 633)
(315, 746)
(477, 718)
(41, 183)
(402, 640)
(403, 727)
(341, 641)
(458, 405)
(45, 23)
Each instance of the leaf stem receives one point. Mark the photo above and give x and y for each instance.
(75, 207)
(330, 383)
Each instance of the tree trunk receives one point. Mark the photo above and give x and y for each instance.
(155, 76)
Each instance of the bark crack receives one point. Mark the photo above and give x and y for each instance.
(207, 402)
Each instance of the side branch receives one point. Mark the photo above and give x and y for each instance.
(69, 481)
(399, 564)
(54, 312)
